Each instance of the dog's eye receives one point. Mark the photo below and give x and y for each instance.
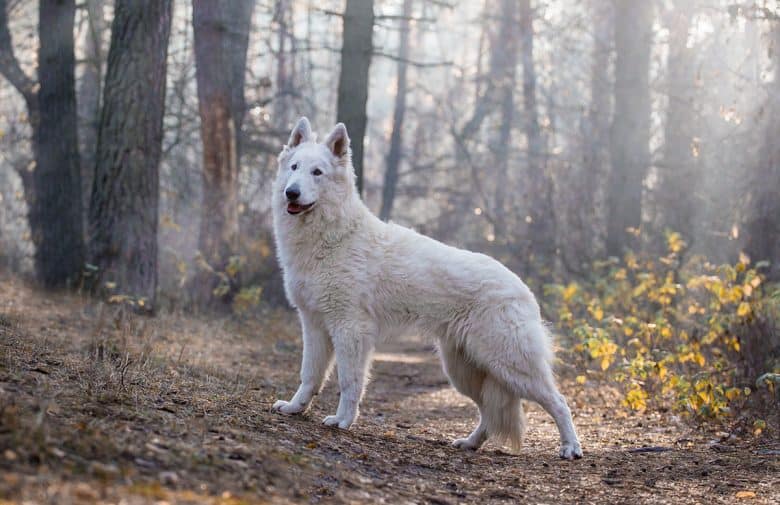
(294, 167)
(316, 171)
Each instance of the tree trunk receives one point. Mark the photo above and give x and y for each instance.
(763, 226)
(541, 216)
(89, 91)
(675, 200)
(630, 135)
(394, 156)
(56, 210)
(582, 218)
(506, 68)
(52, 188)
(221, 30)
(485, 104)
(356, 50)
(284, 108)
(123, 212)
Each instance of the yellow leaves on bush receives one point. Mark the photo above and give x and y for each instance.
(759, 425)
(234, 266)
(708, 399)
(247, 298)
(636, 398)
(733, 393)
(663, 331)
(117, 298)
(675, 242)
(691, 354)
(631, 261)
(132, 301)
(570, 291)
(598, 345)
(661, 370)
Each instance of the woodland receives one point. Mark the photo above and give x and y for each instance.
(621, 156)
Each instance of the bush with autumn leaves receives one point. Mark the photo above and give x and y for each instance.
(694, 337)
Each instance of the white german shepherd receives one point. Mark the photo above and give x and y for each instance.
(356, 280)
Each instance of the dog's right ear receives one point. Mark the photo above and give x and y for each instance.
(301, 133)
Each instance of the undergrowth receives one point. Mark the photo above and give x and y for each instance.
(688, 335)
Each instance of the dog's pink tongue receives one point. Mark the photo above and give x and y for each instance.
(293, 207)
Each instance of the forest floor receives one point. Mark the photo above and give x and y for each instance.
(100, 407)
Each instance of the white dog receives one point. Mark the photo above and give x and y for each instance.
(355, 280)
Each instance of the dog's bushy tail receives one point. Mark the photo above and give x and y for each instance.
(504, 414)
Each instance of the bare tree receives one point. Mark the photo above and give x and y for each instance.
(630, 135)
(505, 44)
(89, 91)
(123, 212)
(393, 159)
(52, 186)
(495, 30)
(675, 198)
(221, 30)
(356, 51)
(581, 217)
(284, 105)
(763, 225)
(538, 192)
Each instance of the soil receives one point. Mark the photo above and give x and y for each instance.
(100, 406)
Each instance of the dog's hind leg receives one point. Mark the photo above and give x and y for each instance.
(468, 380)
(316, 364)
(544, 392)
(503, 413)
(527, 372)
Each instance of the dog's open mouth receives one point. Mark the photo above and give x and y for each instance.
(296, 208)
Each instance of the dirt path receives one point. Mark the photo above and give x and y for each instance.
(99, 408)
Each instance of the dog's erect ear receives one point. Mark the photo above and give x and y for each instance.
(301, 133)
(338, 141)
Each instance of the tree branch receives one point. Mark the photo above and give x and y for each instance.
(441, 3)
(420, 64)
(9, 65)
(404, 18)
(328, 12)
(753, 11)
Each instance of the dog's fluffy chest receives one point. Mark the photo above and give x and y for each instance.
(319, 276)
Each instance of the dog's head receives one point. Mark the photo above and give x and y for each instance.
(313, 176)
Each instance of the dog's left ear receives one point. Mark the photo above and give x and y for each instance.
(338, 141)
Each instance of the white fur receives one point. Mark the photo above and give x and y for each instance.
(355, 280)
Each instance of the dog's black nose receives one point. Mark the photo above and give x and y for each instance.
(293, 192)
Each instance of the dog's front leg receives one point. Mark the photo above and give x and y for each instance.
(315, 365)
(353, 347)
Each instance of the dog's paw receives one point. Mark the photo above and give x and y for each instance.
(571, 450)
(288, 408)
(465, 443)
(337, 422)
